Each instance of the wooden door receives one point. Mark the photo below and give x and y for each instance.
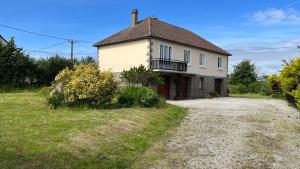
(218, 85)
(185, 82)
(164, 89)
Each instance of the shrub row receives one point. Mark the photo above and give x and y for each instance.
(138, 96)
(86, 85)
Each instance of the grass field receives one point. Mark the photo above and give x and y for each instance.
(36, 137)
(251, 95)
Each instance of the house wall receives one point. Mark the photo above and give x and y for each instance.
(208, 86)
(123, 56)
(211, 59)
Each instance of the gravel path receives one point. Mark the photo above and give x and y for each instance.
(227, 133)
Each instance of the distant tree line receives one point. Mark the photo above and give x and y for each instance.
(17, 69)
(285, 84)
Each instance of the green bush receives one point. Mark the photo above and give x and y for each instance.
(56, 99)
(45, 91)
(141, 76)
(139, 96)
(290, 81)
(85, 85)
(261, 87)
(238, 89)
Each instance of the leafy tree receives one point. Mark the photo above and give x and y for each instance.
(244, 73)
(290, 81)
(48, 68)
(87, 60)
(17, 69)
(141, 76)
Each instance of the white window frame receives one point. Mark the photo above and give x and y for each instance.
(202, 59)
(220, 65)
(163, 53)
(189, 56)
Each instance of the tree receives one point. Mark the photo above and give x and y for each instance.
(290, 81)
(87, 60)
(141, 76)
(48, 68)
(243, 73)
(17, 69)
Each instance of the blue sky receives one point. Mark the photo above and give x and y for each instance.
(231, 24)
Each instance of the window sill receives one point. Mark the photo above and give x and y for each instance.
(220, 69)
(202, 66)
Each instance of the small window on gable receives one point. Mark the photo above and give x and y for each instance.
(202, 59)
(201, 83)
(220, 60)
(187, 56)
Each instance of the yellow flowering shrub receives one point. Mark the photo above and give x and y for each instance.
(290, 81)
(85, 85)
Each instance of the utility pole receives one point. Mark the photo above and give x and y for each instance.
(72, 44)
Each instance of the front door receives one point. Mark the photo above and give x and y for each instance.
(185, 82)
(164, 89)
(218, 85)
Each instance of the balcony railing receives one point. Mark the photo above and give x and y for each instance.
(168, 65)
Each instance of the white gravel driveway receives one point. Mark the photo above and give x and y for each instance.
(238, 133)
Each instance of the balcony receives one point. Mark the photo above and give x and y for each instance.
(163, 64)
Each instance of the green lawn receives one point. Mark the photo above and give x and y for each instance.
(251, 95)
(35, 137)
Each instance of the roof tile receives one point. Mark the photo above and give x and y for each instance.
(155, 28)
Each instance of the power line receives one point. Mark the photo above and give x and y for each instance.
(51, 46)
(43, 35)
(259, 49)
(71, 41)
(50, 52)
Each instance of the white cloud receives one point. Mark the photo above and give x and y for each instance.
(275, 16)
(266, 61)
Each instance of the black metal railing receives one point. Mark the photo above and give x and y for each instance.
(168, 64)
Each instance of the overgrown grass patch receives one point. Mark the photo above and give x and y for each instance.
(251, 95)
(34, 136)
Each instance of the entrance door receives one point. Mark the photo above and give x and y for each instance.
(164, 89)
(218, 85)
(185, 82)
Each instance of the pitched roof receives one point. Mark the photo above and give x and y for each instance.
(151, 27)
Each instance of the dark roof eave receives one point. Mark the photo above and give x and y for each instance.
(159, 38)
(193, 46)
(99, 44)
(3, 39)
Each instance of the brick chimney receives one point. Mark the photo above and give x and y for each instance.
(134, 17)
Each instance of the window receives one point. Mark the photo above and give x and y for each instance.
(187, 56)
(220, 62)
(201, 83)
(202, 59)
(165, 52)
(161, 52)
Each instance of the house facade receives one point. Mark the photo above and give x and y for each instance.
(2, 40)
(191, 66)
